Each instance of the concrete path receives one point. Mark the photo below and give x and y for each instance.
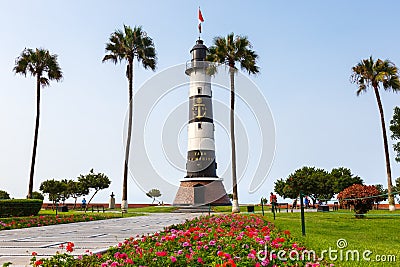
(16, 246)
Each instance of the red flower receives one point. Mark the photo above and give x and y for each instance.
(34, 253)
(161, 253)
(38, 262)
(70, 247)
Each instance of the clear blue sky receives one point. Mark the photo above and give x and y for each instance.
(306, 51)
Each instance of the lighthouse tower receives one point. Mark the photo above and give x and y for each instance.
(201, 185)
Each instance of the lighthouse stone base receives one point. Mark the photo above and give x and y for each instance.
(201, 191)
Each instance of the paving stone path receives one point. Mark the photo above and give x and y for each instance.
(16, 246)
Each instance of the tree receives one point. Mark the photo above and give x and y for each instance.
(316, 183)
(55, 189)
(343, 178)
(153, 193)
(395, 129)
(4, 195)
(76, 190)
(127, 45)
(371, 73)
(382, 193)
(44, 66)
(360, 197)
(229, 51)
(96, 181)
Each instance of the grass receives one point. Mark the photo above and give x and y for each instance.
(377, 232)
(153, 209)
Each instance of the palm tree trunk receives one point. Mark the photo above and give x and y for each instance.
(392, 207)
(235, 199)
(35, 139)
(124, 204)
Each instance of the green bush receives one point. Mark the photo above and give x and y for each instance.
(4, 195)
(37, 195)
(20, 207)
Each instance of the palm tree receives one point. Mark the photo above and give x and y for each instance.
(44, 66)
(128, 45)
(370, 73)
(228, 51)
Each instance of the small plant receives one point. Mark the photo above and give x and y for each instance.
(361, 197)
(4, 195)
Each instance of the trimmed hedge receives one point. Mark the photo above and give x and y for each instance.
(20, 207)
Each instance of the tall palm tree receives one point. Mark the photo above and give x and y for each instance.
(44, 66)
(371, 73)
(127, 45)
(229, 51)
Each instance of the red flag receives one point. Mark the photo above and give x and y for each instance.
(201, 19)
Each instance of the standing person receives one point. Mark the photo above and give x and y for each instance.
(83, 203)
(273, 201)
(294, 205)
(306, 202)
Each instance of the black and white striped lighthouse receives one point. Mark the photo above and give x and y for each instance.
(201, 185)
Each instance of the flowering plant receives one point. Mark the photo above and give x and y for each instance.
(34, 221)
(223, 240)
(362, 197)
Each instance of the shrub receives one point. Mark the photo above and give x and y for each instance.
(4, 195)
(20, 207)
(37, 195)
(360, 196)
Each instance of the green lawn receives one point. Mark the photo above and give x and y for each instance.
(153, 209)
(378, 232)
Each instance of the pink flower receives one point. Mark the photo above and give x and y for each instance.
(199, 260)
(173, 259)
(251, 256)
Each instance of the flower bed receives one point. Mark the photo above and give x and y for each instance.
(34, 221)
(223, 240)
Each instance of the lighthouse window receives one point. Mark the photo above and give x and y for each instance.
(199, 90)
(199, 126)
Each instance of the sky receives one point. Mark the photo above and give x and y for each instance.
(306, 51)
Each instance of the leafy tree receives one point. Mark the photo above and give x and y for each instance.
(343, 178)
(127, 45)
(371, 73)
(360, 197)
(395, 129)
(153, 193)
(55, 190)
(96, 181)
(4, 195)
(229, 51)
(76, 190)
(285, 190)
(382, 192)
(44, 66)
(37, 195)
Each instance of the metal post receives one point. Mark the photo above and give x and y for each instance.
(303, 224)
(273, 209)
(262, 206)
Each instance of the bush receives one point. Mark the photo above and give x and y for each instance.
(360, 196)
(4, 195)
(20, 207)
(37, 195)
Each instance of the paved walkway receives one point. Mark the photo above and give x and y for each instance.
(16, 246)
